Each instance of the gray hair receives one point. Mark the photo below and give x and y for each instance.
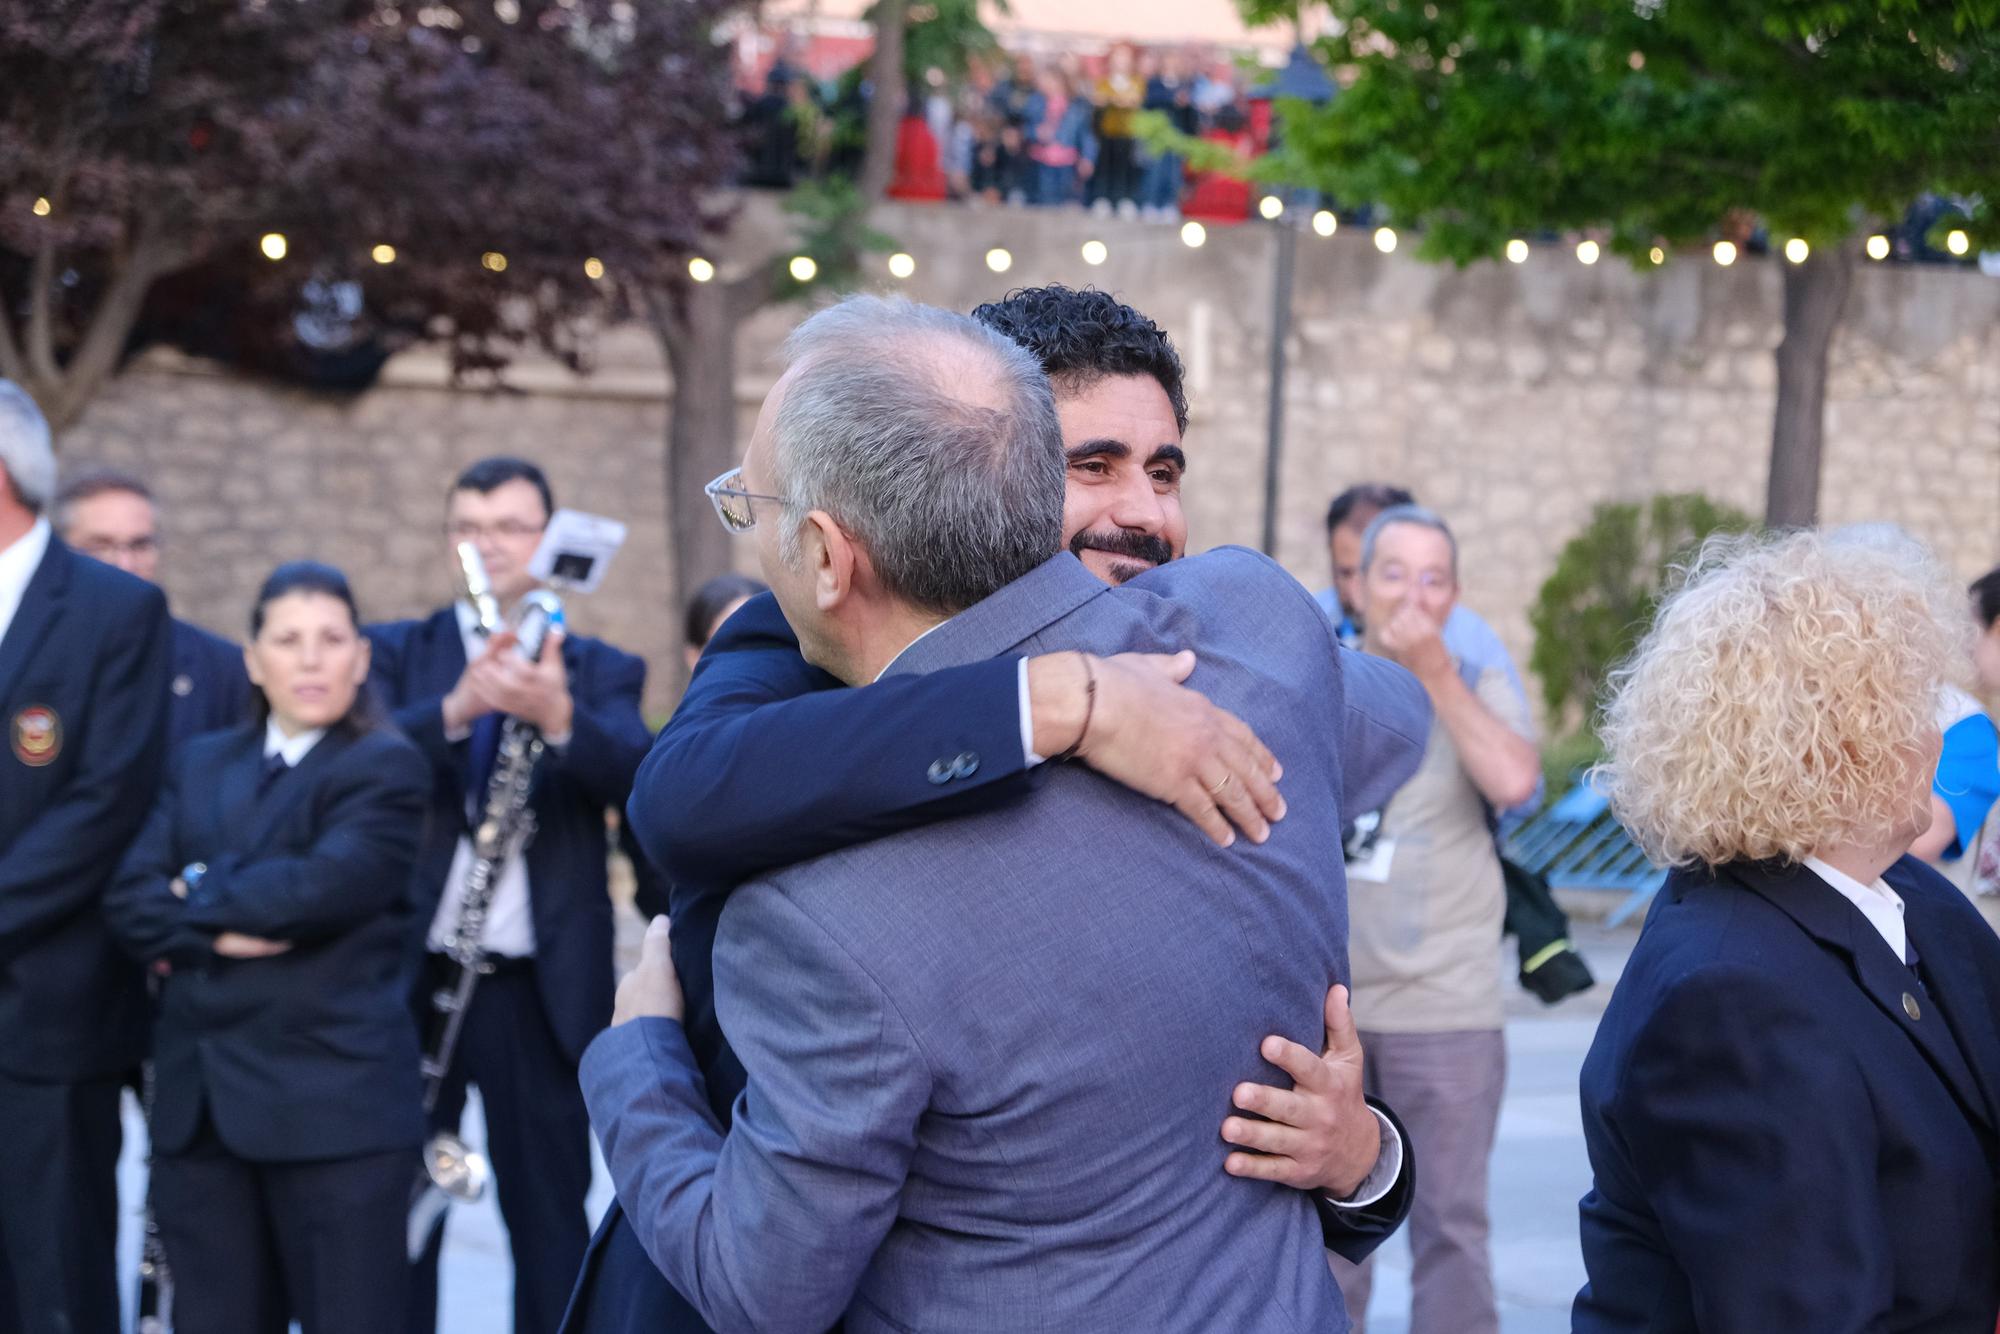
(930, 438)
(1415, 515)
(25, 450)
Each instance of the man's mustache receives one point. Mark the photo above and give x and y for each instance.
(1148, 547)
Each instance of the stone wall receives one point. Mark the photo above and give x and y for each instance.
(1511, 397)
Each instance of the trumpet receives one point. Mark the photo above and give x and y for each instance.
(452, 1172)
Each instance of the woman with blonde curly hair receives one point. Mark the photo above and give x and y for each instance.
(1792, 1105)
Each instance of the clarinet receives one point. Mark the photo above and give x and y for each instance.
(155, 1306)
(452, 1173)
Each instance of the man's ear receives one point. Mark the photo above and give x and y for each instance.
(832, 557)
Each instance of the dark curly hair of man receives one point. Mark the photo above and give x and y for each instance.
(1080, 337)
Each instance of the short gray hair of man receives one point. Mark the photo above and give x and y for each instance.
(930, 438)
(1417, 517)
(25, 449)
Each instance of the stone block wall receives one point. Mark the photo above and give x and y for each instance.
(1510, 397)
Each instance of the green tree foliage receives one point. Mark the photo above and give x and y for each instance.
(1656, 123)
(1607, 582)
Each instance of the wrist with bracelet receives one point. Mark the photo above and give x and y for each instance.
(1089, 711)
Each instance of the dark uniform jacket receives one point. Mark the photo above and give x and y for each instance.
(415, 664)
(83, 701)
(310, 1054)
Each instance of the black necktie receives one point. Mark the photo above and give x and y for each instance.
(1916, 965)
(274, 768)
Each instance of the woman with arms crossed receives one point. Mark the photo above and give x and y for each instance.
(270, 885)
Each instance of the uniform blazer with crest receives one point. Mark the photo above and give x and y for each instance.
(310, 1054)
(1790, 1134)
(416, 663)
(85, 663)
(211, 689)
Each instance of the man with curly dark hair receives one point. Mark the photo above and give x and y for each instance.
(1118, 383)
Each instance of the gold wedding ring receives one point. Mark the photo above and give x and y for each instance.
(1216, 791)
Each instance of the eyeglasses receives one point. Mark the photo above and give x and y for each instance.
(110, 548)
(732, 501)
(510, 530)
(1392, 575)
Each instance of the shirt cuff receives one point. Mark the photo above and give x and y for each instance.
(1381, 1179)
(1028, 756)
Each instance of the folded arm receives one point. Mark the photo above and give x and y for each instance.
(357, 867)
(49, 873)
(770, 1228)
(146, 916)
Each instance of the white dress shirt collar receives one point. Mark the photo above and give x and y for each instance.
(907, 647)
(293, 748)
(1881, 905)
(18, 564)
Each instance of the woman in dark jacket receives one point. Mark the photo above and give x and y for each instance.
(268, 887)
(1792, 1104)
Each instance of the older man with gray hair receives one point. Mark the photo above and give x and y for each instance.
(83, 699)
(1427, 897)
(984, 1057)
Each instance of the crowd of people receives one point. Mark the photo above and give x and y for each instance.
(1065, 931)
(1049, 131)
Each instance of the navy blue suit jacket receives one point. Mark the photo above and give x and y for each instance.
(415, 664)
(830, 768)
(83, 702)
(309, 1054)
(1788, 1132)
(211, 690)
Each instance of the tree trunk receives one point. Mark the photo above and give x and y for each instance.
(1815, 295)
(885, 107)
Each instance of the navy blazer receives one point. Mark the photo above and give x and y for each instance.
(310, 1054)
(416, 663)
(1788, 1132)
(211, 689)
(83, 701)
(833, 767)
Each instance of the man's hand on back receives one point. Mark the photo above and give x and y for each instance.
(1153, 734)
(652, 990)
(1319, 1135)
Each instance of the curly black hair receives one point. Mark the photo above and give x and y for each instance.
(1082, 336)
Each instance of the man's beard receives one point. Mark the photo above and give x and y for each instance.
(1146, 550)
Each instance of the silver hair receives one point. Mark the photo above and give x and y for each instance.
(1415, 515)
(25, 449)
(930, 438)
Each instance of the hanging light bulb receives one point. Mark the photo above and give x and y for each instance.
(901, 265)
(1193, 234)
(999, 259)
(1517, 251)
(1878, 247)
(273, 245)
(803, 268)
(1588, 252)
(1325, 223)
(1095, 253)
(1725, 253)
(1271, 208)
(1385, 240)
(1796, 250)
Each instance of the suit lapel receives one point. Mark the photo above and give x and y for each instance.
(1839, 925)
(288, 791)
(1024, 608)
(1960, 989)
(41, 606)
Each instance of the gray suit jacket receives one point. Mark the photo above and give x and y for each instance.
(988, 1059)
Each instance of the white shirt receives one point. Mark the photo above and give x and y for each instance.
(1881, 905)
(510, 918)
(18, 564)
(293, 748)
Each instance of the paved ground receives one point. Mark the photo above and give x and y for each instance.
(1539, 1173)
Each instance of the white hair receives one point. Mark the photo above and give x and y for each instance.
(930, 438)
(25, 449)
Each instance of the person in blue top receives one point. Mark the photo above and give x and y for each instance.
(1968, 770)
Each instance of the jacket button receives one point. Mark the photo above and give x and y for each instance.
(1910, 1006)
(966, 765)
(942, 771)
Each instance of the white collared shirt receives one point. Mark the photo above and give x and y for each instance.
(293, 748)
(510, 918)
(1881, 905)
(18, 564)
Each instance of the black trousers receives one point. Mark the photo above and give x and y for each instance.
(59, 1207)
(253, 1246)
(537, 1139)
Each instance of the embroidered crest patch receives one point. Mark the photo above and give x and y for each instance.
(37, 735)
